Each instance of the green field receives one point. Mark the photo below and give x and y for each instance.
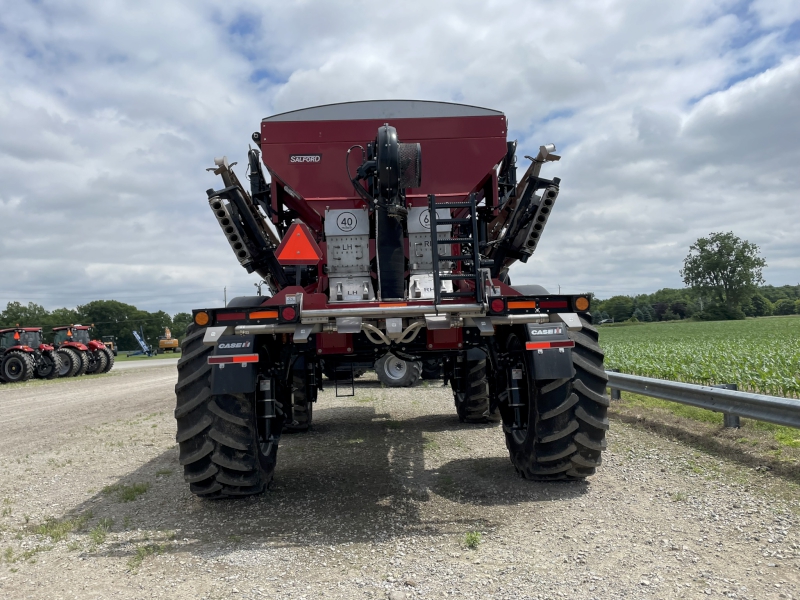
(759, 355)
(124, 357)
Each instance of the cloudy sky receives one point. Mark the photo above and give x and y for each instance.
(674, 119)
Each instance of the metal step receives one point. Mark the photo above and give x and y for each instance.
(453, 205)
(454, 257)
(457, 276)
(453, 221)
(455, 240)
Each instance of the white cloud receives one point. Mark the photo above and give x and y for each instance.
(675, 119)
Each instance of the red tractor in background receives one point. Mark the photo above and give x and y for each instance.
(23, 355)
(79, 353)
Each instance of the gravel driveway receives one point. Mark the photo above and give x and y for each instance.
(375, 502)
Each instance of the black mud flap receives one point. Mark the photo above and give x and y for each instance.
(551, 348)
(233, 377)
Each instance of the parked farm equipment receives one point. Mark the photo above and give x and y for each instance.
(146, 349)
(110, 342)
(367, 259)
(24, 355)
(79, 353)
(167, 343)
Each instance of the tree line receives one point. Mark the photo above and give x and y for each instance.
(109, 317)
(670, 304)
(723, 275)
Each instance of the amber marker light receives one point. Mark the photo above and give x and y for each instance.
(522, 304)
(582, 304)
(264, 314)
(201, 318)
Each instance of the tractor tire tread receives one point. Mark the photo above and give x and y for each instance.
(571, 419)
(109, 360)
(28, 365)
(475, 406)
(216, 433)
(72, 358)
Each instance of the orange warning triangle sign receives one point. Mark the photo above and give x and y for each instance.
(298, 247)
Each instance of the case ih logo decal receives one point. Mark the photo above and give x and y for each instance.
(235, 345)
(551, 331)
(305, 158)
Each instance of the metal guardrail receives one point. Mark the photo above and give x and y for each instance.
(732, 403)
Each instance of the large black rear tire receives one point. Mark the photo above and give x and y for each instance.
(84, 362)
(109, 359)
(566, 420)
(49, 365)
(98, 361)
(70, 362)
(17, 366)
(225, 451)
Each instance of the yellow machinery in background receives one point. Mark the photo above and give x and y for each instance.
(167, 343)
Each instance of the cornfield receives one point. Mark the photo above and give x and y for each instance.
(759, 355)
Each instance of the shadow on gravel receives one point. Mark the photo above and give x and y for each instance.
(493, 481)
(356, 477)
(721, 447)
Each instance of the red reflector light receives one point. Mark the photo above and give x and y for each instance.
(546, 345)
(497, 305)
(553, 304)
(233, 358)
(288, 313)
(230, 316)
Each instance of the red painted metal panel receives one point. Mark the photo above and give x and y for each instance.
(457, 154)
(334, 343)
(445, 339)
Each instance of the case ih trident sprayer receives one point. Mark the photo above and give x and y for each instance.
(387, 227)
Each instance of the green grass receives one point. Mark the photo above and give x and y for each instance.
(125, 358)
(143, 552)
(57, 530)
(678, 496)
(760, 355)
(430, 444)
(100, 531)
(784, 436)
(126, 493)
(472, 539)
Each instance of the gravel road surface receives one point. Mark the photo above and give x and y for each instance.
(145, 364)
(375, 502)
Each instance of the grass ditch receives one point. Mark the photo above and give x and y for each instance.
(762, 446)
(787, 437)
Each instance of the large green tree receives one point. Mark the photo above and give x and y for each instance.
(16, 313)
(619, 307)
(725, 267)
